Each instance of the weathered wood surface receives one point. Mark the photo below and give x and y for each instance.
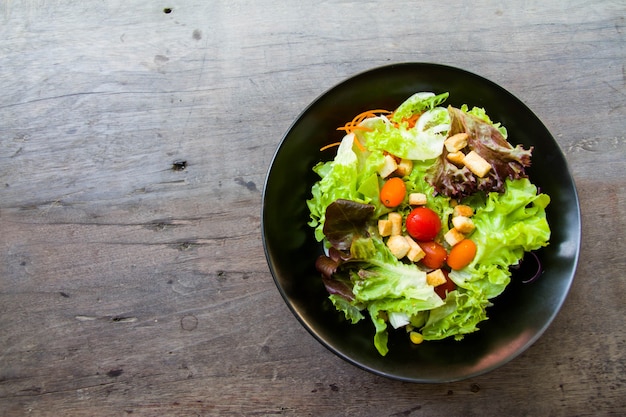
(132, 286)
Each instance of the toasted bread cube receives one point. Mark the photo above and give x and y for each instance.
(477, 164)
(417, 199)
(456, 158)
(396, 223)
(384, 227)
(404, 168)
(435, 278)
(415, 252)
(388, 167)
(398, 246)
(463, 210)
(456, 142)
(463, 224)
(453, 237)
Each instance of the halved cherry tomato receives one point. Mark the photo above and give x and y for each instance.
(462, 254)
(393, 192)
(423, 224)
(435, 254)
(443, 289)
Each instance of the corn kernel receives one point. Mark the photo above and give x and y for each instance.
(416, 338)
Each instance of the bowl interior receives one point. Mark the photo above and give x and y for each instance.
(519, 316)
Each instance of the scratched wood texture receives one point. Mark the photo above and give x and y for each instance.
(134, 142)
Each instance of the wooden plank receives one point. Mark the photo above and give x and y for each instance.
(134, 145)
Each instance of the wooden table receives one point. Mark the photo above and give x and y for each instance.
(134, 142)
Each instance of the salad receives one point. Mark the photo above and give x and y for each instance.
(423, 212)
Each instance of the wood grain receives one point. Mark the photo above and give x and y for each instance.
(134, 143)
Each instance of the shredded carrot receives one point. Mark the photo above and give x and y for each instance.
(353, 125)
(358, 144)
(323, 148)
(412, 120)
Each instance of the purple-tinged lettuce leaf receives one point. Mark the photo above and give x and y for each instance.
(484, 138)
(346, 220)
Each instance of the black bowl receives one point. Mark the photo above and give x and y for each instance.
(519, 316)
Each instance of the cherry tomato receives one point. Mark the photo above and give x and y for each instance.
(435, 254)
(393, 192)
(423, 224)
(462, 254)
(443, 289)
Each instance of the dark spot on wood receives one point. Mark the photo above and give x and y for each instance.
(474, 387)
(265, 349)
(450, 392)
(167, 10)
(408, 412)
(170, 281)
(23, 263)
(221, 276)
(64, 294)
(184, 246)
(160, 58)
(189, 322)
(179, 165)
(197, 34)
(114, 373)
(251, 186)
(333, 387)
(121, 319)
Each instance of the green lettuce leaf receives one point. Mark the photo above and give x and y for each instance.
(418, 103)
(420, 142)
(350, 176)
(386, 285)
(507, 225)
(459, 316)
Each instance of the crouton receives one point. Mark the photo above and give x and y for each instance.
(398, 246)
(456, 158)
(396, 223)
(456, 142)
(463, 210)
(417, 199)
(463, 224)
(388, 167)
(384, 227)
(415, 252)
(453, 237)
(404, 168)
(477, 164)
(435, 278)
